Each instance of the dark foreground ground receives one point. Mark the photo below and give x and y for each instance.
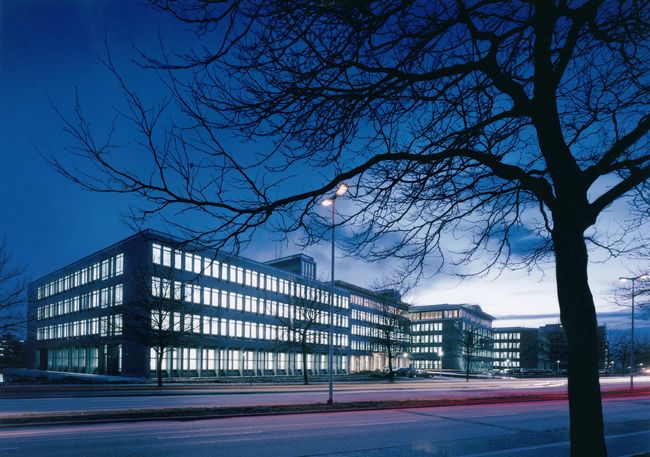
(508, 430)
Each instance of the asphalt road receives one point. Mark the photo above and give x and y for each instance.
(220, 396)
(507, 430)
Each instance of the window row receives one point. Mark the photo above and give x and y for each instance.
(234, 328)
(102, 298)
(427, 364)
(206, 266)
(507, 345)
(108, 268)
(427, 327)
(208, 296)
(367, 346)
(506, 364)
(423, 339)
(427, 349)
(503, 355)
(229, 360)
(507, 336)
(102, 326)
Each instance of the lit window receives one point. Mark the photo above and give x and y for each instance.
(156, 252)
(155, 287)
(178, 259)
(119, 264)
(167, 256)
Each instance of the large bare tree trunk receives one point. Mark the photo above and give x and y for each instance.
(578, 316)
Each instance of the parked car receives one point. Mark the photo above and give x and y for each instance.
(406, 372)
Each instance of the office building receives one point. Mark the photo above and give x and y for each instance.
(206, 313)
(517, 348)
(559, 350)
(447, 337)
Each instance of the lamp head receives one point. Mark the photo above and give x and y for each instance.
(327, 202)
(342, 189)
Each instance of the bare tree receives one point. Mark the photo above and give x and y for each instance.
(620, 348)
(471, 342)
(393, 327)
(13, 314)
(160, 317)
(300, 322)
(483, 120)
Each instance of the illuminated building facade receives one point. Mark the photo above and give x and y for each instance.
(221, 315)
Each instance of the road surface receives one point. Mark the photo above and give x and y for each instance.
(223, 396)
(505, 430)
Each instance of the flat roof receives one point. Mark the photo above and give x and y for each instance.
(475, 309)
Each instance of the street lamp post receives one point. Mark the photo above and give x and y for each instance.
(440, 354)
(633, 280)
(331, 201)
(557, 367)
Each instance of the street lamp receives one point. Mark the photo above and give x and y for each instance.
(633, 280)
(557, 367)
(440, 354)
(331, 201)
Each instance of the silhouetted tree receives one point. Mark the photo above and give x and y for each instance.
(13, 314)
(300, 321)
(161, 315)
(471, 342)
(620, 348)
(393, 327)
(485, 120)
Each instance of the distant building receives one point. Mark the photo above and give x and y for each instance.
(559, 350)
(225, 313)
(12, 351)
(521, 348)
(443, 336)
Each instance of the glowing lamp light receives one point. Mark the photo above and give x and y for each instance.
(327, 202)
(342, 189)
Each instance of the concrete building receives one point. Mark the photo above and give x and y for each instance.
(517, 348)
(446, 337)
(559, 351)
(214, 314)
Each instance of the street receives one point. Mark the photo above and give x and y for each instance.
(243, 395)
(521, 429)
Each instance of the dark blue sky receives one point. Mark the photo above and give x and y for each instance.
(48, 51)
